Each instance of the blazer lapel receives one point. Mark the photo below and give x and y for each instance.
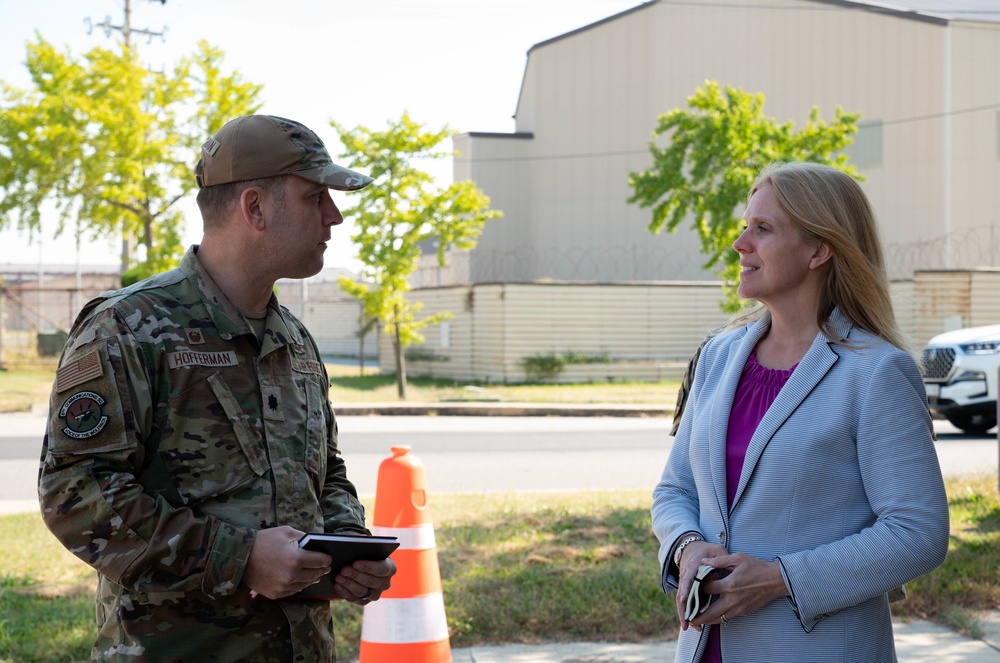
(722, 406)
(816, 363)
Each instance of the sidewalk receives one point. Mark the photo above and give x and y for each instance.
(916, 642)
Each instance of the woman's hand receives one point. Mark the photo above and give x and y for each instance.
(751, 584)
(691, 559)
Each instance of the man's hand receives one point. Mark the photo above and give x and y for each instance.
(364, 581)
(278, 567)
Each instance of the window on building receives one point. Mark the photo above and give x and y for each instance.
(866, 150)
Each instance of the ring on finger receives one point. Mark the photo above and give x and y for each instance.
(725, 622)
(367, 595)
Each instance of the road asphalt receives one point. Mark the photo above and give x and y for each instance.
(917, 641)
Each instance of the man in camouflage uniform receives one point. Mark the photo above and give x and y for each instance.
(191, 440)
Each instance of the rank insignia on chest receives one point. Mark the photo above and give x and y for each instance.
(273, 408)
(82, 414)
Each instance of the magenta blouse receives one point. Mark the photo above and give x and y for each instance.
(756, 391)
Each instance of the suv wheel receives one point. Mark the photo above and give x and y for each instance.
(974, 424)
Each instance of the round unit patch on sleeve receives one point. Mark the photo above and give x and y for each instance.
(82, 414)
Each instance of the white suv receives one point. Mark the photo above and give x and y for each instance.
(961, 377)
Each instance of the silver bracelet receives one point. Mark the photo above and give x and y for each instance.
(682, 545)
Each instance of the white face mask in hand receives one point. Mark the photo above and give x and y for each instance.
(698, 599)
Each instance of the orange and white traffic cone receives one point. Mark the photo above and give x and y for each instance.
(407, 624)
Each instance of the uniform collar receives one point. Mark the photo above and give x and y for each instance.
(225, 316)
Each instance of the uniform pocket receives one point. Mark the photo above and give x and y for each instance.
(316, 430)
(248, 441)
(209, 446)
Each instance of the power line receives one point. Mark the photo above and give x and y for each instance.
(934, 116)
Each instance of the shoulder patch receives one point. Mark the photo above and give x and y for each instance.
(79, 371)
(82, 414)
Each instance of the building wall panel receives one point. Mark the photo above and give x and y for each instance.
(984, 307)
(943, 303)
(648, 331)
(971, 227)
(591, 99)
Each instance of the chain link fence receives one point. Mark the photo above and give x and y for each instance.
(34, 319)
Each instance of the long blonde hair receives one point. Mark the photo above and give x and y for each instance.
(826, 204)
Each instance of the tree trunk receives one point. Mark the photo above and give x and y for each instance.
(361, 354)
(148, 239)
(128, 248)
(397, 347)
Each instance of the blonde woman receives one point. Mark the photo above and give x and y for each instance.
(804, 468)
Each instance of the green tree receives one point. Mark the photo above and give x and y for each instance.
(111, 144)
(398, 213)
(715, 152)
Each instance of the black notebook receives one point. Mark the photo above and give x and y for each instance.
(345, 549)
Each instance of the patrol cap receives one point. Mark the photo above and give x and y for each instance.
(258, 146)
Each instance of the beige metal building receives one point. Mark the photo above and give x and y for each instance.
(333, 317)
(926, 83)
(927, 87)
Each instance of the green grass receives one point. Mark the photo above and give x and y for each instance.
(382, 388)
(967, 581)
(20, 389)
(46, 596)
(542, 567)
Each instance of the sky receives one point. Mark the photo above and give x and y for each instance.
(445, 62)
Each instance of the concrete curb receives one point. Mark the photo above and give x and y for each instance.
(502, 409)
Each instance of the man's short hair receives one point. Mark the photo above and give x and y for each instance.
(218, 202)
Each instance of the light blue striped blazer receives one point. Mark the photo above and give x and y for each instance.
(841, 484)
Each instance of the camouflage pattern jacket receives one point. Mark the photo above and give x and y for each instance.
(173, 436)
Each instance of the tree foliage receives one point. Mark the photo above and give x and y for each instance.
(111, 144)
(397, 216)
(715, 152)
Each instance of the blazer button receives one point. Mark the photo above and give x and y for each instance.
(722, 537)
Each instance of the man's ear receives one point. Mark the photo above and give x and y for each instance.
(252, 207)
(822, 254)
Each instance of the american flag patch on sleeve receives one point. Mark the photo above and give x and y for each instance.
(79, 371)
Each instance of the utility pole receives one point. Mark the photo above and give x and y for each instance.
(128, 238)
(126, 28)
